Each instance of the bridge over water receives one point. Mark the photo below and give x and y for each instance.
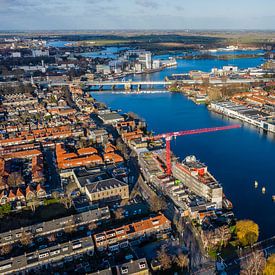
(129, 85)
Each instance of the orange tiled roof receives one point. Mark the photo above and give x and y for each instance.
(86, 151)
(23, 154)
(80, 161)
(134, 228)
(39, 187)
(110, 148)
(113, 157)
(28, 190)
(11, 195)
(19, 193)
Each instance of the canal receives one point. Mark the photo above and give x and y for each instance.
(236, 158)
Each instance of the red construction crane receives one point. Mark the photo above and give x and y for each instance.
(168, 137)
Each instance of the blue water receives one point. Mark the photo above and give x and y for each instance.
(184, 66)
(58, 44)
(238, 52)
(236, 158)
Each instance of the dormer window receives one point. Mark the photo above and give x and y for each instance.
(124, 270)
(142, 265)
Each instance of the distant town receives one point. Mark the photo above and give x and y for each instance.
(89, 189)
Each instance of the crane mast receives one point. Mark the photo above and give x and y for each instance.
(168, 137)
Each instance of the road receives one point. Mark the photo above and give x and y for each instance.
(53, 177)
(189, 238)
(233, 264)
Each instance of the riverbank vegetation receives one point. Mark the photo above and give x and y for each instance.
(247, 232)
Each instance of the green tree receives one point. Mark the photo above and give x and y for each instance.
(5, 209)
(247, 232)
(270, 265)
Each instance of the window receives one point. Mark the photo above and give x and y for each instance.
(142, 265)
(124, 270)
(55, 252)
(76, 246)
(43, 255)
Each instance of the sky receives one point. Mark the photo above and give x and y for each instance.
(136, 14)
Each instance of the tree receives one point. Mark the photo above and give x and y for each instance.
(163, 258)
(55, 195)
(6, 249)
(119, 213)
(254, 264)
(224, 235)
(5, 209)
(70, 228)
(157, 204)
(181, 261)
(15, 179)
(247, 232)
(270, 265)
(33, 204)
(52, 238)
(92, 226)
(66, 201)
(26, 239)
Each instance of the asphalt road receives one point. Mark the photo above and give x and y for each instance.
(52, 174)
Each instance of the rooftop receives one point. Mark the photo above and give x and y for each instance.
(102, 185)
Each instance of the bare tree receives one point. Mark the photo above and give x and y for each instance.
(15, 179)
(55, 195)
(119, 213)
(26, 239)
(164, 258)
(92, 226)
(6, 249)
(33, 204)
(181, 261)
(254, 264)
(69, 228)
(67, 201)
(52, 238)
(157, 204)
(224, 235)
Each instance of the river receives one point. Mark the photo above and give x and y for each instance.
(236, 158)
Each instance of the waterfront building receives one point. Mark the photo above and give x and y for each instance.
(196, 177)
(256, 117)
(111, 118)
(146, 59)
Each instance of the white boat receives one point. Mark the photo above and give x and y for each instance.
(256, 184)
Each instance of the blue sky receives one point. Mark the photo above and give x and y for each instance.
(136, 14)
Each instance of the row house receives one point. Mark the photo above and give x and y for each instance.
(83, 157)
(8, 196)
(119, 237)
